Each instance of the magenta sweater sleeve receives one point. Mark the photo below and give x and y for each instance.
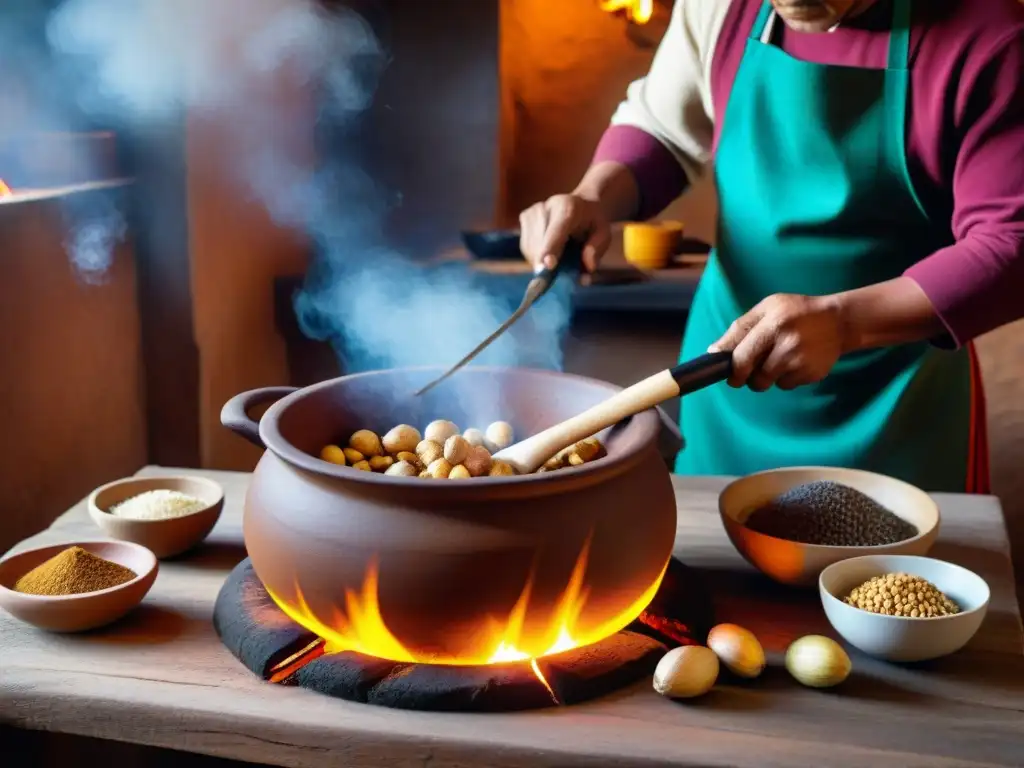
(977, 284)
(659, 176)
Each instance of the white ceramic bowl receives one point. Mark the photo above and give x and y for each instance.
(797, 564)
(165, 538)
(902, 638)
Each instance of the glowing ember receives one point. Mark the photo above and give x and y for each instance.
(284, 669)
(637, 11)
(359, 625)
(543, 680)
(4, 189)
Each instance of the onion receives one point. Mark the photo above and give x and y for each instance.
(818, 662)
(738, 649)
(685, 672)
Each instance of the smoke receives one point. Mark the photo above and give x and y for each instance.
(139, 62)
(390, 314)
(94, 224)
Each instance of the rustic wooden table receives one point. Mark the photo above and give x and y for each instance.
(162, 678)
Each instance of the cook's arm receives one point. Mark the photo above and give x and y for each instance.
(886, 315)
(613, 186)
(977, 284)
(661, 135)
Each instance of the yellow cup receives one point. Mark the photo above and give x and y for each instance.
(651, 245)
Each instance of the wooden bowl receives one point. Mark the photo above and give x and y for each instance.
(904, 638)
(165, 538)
(793, 563)
(89, 610)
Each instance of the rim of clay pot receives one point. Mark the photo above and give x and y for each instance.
(647, 425)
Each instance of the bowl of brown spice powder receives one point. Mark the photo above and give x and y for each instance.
(76, 587)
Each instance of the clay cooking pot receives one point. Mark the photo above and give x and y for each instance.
(447, 570)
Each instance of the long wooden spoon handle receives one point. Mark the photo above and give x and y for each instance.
(527, 455)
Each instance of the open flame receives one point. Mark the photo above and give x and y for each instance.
(361, 627)
(5, 191)
(637, 11)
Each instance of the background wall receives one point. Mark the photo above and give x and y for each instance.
(71, 393)
(236, 249)
(564, 69)
(435, 118)
(1001, 354)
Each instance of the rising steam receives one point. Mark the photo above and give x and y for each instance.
(138, 62)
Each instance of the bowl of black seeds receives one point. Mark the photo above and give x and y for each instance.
(793, 523)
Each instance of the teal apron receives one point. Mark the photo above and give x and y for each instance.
(815, 198)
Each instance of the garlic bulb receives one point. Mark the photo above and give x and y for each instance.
(474, 436)
(428, 451)
(498, 436)
(738, 649)
(440, 430)
(817, 661)
(402, 469)
(456, 449)
(686, 672)
(401, 438)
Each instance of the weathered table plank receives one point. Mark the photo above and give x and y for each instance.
(162, 678)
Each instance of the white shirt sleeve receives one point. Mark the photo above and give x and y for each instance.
(673, 101)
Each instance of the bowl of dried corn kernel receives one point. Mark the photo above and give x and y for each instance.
(902, 607)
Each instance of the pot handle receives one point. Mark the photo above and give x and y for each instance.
(235, 413)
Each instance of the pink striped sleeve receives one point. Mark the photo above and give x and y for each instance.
(659, 176)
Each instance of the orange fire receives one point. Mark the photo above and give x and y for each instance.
(637, 11)
(4, 189)
(359, 626)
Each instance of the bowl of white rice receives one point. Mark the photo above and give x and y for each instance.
(167, 515)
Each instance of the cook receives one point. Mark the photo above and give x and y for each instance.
(869, 161)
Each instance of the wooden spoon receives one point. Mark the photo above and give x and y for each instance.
(530, 454)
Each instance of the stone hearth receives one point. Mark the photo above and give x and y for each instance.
(280, 651)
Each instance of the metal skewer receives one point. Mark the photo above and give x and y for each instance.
(570, 263)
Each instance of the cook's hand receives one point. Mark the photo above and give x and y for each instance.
(546, 228)
(785, 340)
